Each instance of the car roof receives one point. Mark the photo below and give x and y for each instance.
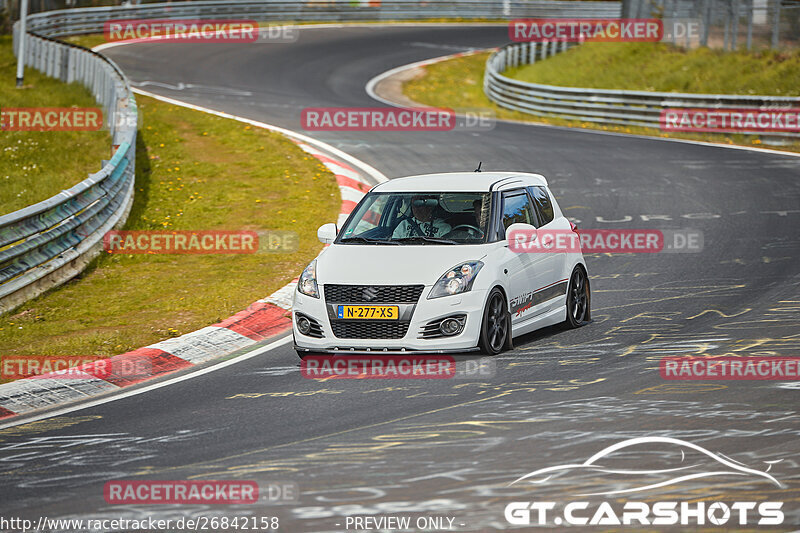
(461, 181)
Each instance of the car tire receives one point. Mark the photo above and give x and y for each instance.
(579, 299)
(496, 324)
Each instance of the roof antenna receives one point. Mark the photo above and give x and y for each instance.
(479, 166)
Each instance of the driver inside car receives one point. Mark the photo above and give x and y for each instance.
(422, 222)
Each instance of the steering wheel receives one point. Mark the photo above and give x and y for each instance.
(475, 232)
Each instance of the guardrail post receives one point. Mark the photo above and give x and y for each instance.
(37, 57)
(23, 33)
(45, 56)
(46, 64)
(64, 70)
(71, 66)
(47, 59)
(727, 39)
(82, 75)
(776, 25)
(52, 60)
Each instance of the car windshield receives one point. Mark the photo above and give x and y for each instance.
(419, 218)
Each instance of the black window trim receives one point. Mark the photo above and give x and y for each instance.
(501, 231)
(539, 215)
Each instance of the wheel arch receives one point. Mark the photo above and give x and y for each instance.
(582, 266)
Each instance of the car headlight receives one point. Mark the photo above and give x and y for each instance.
(456, 280)
(307, 284)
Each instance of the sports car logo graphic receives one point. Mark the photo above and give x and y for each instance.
(607, 460)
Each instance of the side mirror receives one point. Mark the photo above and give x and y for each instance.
(521, 234)
(327, 233)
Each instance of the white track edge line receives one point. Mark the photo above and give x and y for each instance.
(126, 394)
(374, 173)
(312, 26)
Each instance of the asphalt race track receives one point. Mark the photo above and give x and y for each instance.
(450, 448)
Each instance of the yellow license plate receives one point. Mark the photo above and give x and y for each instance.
(368, 312)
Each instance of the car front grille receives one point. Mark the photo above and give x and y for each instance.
(369, 330)
(372, 294)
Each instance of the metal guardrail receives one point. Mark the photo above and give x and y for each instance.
(91, 20)
(603, 106)
(46, 244)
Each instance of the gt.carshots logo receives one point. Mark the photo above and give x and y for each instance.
(619, 462)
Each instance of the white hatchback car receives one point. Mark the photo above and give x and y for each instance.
(423, 264)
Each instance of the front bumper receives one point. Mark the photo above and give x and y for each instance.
(419, 315)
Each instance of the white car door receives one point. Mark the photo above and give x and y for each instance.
(553, 266)
(528, 273)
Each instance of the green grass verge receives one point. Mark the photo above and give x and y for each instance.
(35, 165)
(661, 67)
(194, 172)
(458, 83)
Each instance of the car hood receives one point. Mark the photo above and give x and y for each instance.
(391, 265)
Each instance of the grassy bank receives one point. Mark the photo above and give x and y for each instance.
(194, 172)
(660, 67)
(458, 83)
(35, 165)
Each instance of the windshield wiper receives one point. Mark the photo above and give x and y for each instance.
(420, 238)
(367, 240)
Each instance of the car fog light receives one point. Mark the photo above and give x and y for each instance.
(450, 326)
(303, 325)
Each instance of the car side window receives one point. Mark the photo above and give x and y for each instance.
(517, 208)
(543, 203)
